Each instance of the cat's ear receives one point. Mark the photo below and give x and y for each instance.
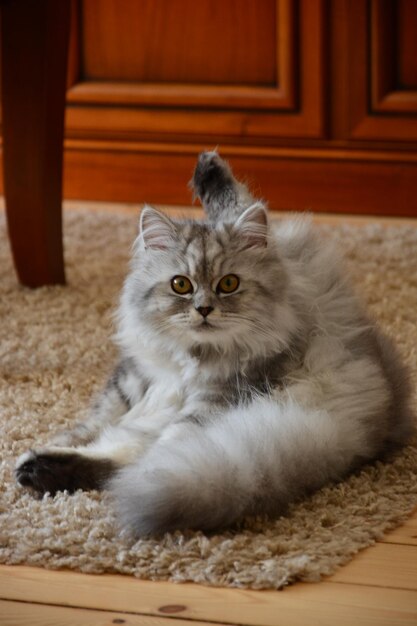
(156, 230)
(252, 226)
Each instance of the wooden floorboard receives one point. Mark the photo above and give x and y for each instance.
(406, 533)
(28, 614)
(324, 604)
(384, 565)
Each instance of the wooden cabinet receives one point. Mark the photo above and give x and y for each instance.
(313, 101)
(382, 70)
(213, 70)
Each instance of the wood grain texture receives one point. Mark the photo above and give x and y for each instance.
(372, 67)
(228, 42)
(289, 180)
(324, 604)
(316, 181)
(177, 94)
(405, 534)
(34, 36)
(320, 180)
(204, 75)
(280, 94)
(196, 212)
(393, 56)
(30, 614)
(407, 48)
(304, 135)
(74, 45)
(194, 124)
(384, 565)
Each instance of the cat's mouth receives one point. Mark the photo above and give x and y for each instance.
(204, 325)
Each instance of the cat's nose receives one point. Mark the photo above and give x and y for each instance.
(205, 310)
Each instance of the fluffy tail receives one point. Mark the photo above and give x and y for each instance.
(247, 462)
(223, 197)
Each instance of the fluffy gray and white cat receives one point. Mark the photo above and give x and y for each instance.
(249, 374)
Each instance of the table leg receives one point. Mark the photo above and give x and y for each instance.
(34, 50)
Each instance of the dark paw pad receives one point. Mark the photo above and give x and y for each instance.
(211, 176)
(55, 471)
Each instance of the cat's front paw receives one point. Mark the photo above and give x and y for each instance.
(58, 470)
(211, 176)
(31, 472)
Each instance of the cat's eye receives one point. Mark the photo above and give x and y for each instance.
(228, 284)
(181, 285)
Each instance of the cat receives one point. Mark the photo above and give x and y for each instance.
(249, 374)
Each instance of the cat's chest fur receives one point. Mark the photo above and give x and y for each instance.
(179, 383)
(191, 384)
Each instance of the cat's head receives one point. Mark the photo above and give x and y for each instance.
(198, 284)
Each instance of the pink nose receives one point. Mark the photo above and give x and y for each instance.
(205, 310)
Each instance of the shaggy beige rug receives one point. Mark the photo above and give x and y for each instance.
(55, 351)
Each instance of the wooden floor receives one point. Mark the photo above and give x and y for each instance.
(378, 587)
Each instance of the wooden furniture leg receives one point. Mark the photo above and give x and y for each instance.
(34, 49)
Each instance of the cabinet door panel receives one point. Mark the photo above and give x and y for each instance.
(406, 33)
(180, 41)
(383, 52)
(240, 68)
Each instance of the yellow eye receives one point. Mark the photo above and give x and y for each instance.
(181, 285)
(228, 284)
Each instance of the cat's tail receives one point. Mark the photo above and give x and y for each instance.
(209, 477)
(223, 197)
